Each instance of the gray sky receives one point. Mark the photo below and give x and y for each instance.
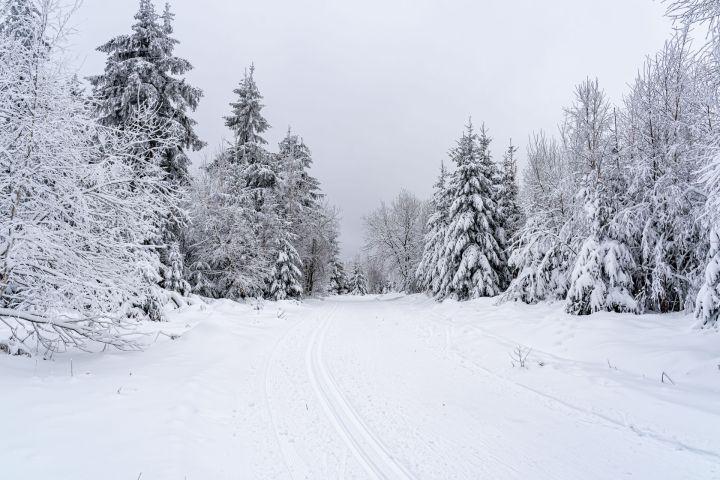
(380, 89)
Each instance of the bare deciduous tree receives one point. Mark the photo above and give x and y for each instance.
(394, 236)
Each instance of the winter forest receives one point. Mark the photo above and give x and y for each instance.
(103, 224)
(108, 231)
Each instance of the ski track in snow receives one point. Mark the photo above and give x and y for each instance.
(363, 387)
(367, 448)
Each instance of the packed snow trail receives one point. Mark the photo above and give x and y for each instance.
(366, 447)
(374, 387)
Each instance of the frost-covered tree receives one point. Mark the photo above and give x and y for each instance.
(433, 262)
(285, 277)
(688, 13)
(338, 283)
(509, 210)
(74, 212)
(142, 74)
(237, 217)
(602, 277)
(257, 169)
(669, 113)
(247, 121)
(394, 238)
(250, 202)
(319, 247)
(476, 261)
(301, 191)
(358, 282)
(547, 244)
(248, 124)
(622, 200)
(225, 255)
(312, 223)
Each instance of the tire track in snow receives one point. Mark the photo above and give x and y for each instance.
(365, 446)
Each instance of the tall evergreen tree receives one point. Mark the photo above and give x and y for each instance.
(301, 191)
(358, 282)
(256, 169)
(338, 279)
(475, 259)
(142, 81)
(247, 121)
(248, 124)
(431, 266)
(311, 225)
(508, 197)
(142, 76)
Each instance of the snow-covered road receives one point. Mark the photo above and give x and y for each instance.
(373, 387)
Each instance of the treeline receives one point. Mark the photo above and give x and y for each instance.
(618, 212)
(101, 222)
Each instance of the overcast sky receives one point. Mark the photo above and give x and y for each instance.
(380, 89)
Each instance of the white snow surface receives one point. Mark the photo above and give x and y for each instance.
(379, 387)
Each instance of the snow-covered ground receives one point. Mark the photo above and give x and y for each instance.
(384, 387)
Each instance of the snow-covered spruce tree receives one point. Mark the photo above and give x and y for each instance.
(602, 277)
(236, 208)
(257, 166)
(338, 280)
(509, 211)
(358, 283)
(247, 121)
(476, 261)
(433, 263)
(301, 189)
(143, 74)
(547, 243)
(248, 124)
(141, 71)
(285, 277)
(74, 214)
(313, 224)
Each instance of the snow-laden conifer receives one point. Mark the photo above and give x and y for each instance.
(509, 211)
(142, 74)
(433, 262)
(602, 277)
(311, 222)
(338, 284)
(475, 259)
(285, 277)
(358, 282)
